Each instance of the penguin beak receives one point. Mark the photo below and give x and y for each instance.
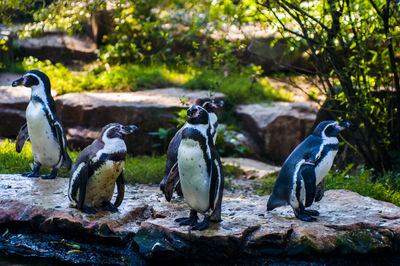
(18, 82)
(343, 125)
(128, 129)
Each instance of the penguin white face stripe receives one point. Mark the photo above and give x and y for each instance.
(111, 145)
(38, 90)
(326, 141)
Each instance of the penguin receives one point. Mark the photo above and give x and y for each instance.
(96, 170)
(43, 127)
(301, 179)
(200, 170)
(170, 182)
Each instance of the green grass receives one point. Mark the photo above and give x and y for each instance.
(142, 169)
(239, 88)
(386, 188)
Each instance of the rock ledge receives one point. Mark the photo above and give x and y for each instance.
(144, 229)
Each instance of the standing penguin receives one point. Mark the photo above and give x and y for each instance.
(301, 177)
(98, 167)
(200, 170)
(43, 127)
(170, 182)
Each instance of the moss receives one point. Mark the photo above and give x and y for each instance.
(265, 185)
(359, 241)
(303, 245)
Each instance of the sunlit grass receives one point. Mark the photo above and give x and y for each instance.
(141, 169)
(238, 88)
(386, 188)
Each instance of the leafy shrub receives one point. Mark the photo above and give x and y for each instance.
(386, 188)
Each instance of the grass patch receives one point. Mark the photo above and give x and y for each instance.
(265, 185)
(238, 88)
(142, 169)
(386, 188)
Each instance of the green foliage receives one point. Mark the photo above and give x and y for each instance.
(265, 185)
(353, 45)
(386, 188)
(228, 145)
(17, 163)
(144, 169)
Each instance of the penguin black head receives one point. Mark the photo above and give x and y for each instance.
(115, 130)
(33, 78)
(330, 128)
(197, 115)
(209, 104)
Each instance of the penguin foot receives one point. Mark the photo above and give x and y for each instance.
(108, 206)
(191, 220)
(88, 210)
(305, 217)
(31, 174)
(49, 176)
(202, 225)
(311, 212)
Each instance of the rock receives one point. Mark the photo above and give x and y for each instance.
(13, 103)
(349, 224)
(253, 169)
(84, 114)
(59, 48)
(278, 127)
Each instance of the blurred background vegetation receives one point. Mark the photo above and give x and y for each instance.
(350, 50)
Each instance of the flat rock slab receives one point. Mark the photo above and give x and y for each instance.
(253, 169)
(349, 223)
(277, 127)
(84, 114)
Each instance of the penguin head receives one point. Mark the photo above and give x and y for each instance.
(330, 128)
(116, 130)
(209, 104)
(197, 115)
(34, 79)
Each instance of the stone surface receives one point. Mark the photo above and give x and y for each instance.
(84, 114)
(253, 169)
(59, 48)
(349, 224)
(13, 103)
(278, 127)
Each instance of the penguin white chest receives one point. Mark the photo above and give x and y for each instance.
(45, 148)
(193, 173)
(100, 186)
(324, 165)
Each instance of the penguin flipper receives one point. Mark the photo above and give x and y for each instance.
(63, 144)
(83, 178)
(172, 181)
(120, 190)
(307, 173)
(320, 190)
(23, 136)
